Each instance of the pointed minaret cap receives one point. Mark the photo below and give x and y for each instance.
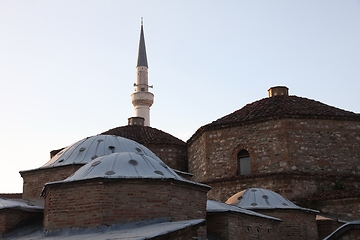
(142, 59)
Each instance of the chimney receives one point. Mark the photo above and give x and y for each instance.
(136, 121)
(278, 91)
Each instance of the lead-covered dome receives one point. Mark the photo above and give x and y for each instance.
(124, 165)
(259, 198)
(90, 148)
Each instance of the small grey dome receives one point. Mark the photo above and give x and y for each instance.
(124, 165)
(259, 198)
(90, 148)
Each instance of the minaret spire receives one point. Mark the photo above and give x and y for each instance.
(142, 99)
(142, 59)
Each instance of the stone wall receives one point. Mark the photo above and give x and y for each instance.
(292, 185)
(10, 218)
(295, 225)
(174, 156)
(322, 146)
(90, 204)
(349, 207)
(230, 225)
(34, 180)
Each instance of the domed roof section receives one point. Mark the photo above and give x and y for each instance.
(90, 148)
(145, 135)
(13, 204)
(259, 198)
(277, 107)
(124, 165)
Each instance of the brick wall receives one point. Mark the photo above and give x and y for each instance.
(183, 234)
(174, 156)
(325, 146)
(10, 218)
(91, 204)
(296, 224)
(326, 227)
(34, 180)
(229, 225)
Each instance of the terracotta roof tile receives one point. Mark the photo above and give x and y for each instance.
(145, 135)
(278, 107)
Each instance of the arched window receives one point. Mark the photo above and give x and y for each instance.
(243, 158)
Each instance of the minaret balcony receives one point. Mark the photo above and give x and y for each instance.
(142, 98)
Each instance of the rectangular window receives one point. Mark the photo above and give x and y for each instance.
(244, 165)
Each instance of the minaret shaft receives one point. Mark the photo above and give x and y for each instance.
(142, 99)
(142, 79)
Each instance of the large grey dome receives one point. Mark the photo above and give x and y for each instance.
(124, 165)
(90, 148)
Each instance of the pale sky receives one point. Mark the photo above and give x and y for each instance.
(67, 67)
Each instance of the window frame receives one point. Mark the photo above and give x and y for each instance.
(243, 163)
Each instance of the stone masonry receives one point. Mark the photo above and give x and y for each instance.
(279, 146)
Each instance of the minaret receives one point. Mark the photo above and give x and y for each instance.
(142, 99)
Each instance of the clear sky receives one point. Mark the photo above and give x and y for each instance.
(67, 67)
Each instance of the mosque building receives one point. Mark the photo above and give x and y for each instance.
(282, 167)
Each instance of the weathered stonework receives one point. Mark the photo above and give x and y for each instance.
(292, 185)
(311, 145)
(349, 207)
(277, 146)
(296, 224)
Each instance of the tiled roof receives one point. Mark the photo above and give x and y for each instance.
(278, 107)
(145, 135)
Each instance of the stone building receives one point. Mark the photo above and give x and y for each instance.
(292, 145)
(137, 181)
